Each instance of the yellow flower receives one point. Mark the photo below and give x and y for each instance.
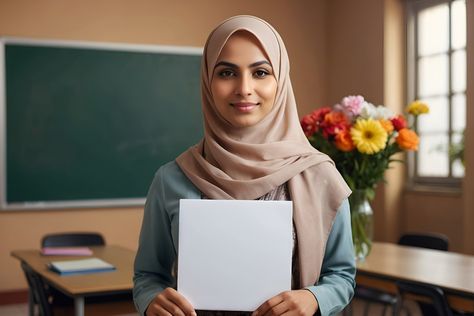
(417, 107)
(369, 136)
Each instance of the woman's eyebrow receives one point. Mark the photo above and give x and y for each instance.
(225, 63)
(231, 65)
(258, 63)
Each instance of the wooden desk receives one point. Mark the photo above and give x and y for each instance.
(80, 286)
(452, 272)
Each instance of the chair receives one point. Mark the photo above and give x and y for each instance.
(48, 300)
(38, 292)
(425, 240)
(42, 297)
(72, 240)
(439, 305)
(422, 240)
(430, 241)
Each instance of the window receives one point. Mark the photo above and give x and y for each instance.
(437, 75)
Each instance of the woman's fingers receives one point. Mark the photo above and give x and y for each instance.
(170, 303)
(180, 301)
(266, 307)
(298, 302)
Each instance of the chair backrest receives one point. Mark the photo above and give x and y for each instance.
(439, 305)
(431, 241)
(425, 240)
(72, 239)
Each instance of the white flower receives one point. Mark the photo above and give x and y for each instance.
(383, 112)
(368, 110)
(375, 112)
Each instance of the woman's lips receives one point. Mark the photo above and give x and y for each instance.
(245, 106)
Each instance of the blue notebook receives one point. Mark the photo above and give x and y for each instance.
(81, 266)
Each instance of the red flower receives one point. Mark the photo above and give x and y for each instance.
(311, 122)
(399, 122)
(334, 123)
(308, 124)
(319, 114)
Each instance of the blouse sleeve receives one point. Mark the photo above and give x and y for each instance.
(156, 254)
(336, 284)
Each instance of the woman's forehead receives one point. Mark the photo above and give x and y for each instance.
(242, 45)
(265, 35)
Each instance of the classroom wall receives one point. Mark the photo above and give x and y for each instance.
(366, 55)
(356, 66)
(468, 215)
(301, 24)
(336, 47)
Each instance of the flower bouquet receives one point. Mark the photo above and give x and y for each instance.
(361, 138)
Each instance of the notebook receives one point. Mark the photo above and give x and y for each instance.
(81, 266)
(66, 251)
(234, 255)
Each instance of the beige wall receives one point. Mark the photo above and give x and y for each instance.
(356, 65)
(468, 215)
(336, 47)
(301, 24)
(435, 212)
(366, 55)
(355, 49)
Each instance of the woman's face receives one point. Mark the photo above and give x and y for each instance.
(243, 84)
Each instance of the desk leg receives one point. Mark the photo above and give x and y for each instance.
(79, 306)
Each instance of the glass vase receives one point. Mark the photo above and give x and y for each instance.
(362, 223)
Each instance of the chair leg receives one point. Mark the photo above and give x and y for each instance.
(394, 309)
(31, 303)
(397, 309)
(366, 309)
(348, 310)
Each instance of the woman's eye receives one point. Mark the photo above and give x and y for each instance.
(226, 73)
(261, 73)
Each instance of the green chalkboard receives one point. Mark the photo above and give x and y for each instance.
(91, 123)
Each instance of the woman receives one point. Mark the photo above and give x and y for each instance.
(253, 148)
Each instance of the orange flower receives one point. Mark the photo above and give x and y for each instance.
(407, 139)
(343, 141)
(335, 118)
(387, 125)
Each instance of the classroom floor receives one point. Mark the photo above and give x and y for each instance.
(358, 306)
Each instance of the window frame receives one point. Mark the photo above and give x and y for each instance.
(413, 8)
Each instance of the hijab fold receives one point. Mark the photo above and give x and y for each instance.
(247, 162)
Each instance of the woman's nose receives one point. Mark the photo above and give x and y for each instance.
(244, 86)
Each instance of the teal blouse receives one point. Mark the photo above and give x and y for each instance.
(158, 246)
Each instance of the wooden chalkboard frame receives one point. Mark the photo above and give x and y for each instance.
(83, 203)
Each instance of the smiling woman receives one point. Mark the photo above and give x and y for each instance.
(253, 149)
(243, 85)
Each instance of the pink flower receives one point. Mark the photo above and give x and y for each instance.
(351, 105)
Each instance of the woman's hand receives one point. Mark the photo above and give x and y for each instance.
(170, 302)
(298, 302)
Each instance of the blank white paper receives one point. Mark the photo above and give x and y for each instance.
(233, 254)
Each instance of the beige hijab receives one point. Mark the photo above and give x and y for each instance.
(246, 163)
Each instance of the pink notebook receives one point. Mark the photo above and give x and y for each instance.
(66, 251)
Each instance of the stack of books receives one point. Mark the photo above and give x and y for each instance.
(81, 266)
